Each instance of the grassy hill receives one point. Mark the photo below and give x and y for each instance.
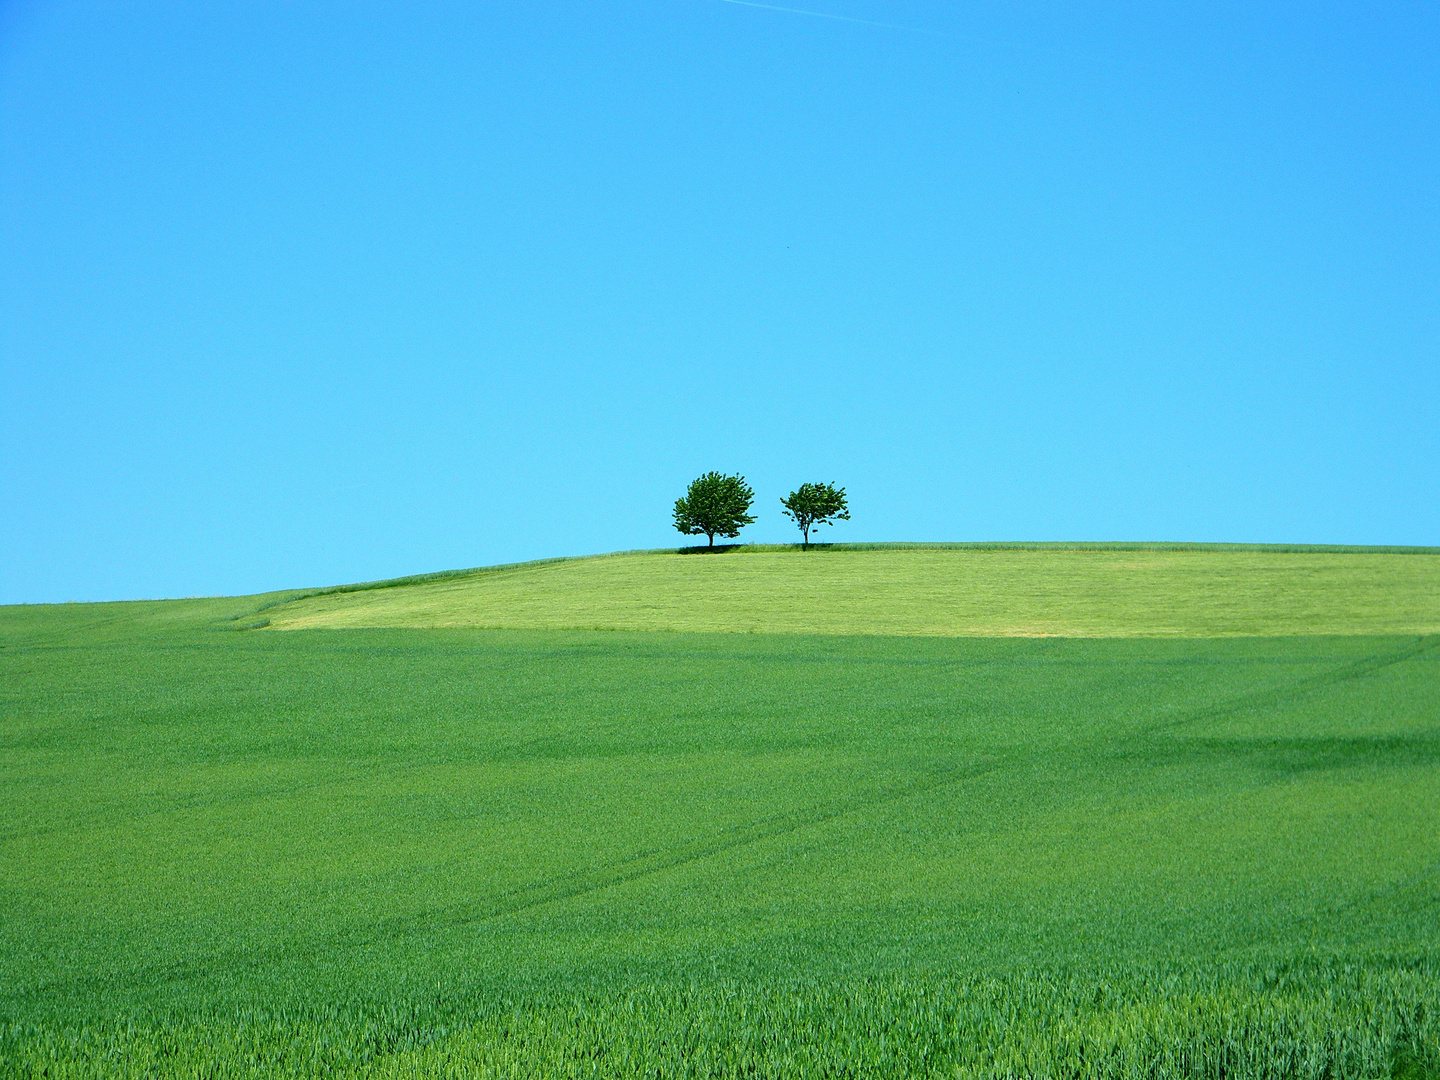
(1115, 591)
(870, 841)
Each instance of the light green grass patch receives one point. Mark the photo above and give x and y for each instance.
(916, 591)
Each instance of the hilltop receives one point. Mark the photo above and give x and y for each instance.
(947, 590)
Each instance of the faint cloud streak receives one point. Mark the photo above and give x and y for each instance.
(824, 15)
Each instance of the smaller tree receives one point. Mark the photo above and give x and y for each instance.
(714, 505)
(813, 505)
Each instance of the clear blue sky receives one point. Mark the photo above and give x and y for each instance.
(302, 293)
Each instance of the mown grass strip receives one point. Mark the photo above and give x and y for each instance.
(997, 590)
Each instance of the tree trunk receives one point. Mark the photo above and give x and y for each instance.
(711, 538)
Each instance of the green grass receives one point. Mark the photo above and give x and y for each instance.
(1116, 591)
(392, 852)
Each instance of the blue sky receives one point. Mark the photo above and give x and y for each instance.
(300, 293)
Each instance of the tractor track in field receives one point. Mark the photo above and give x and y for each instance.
(511, 902)
(1275, 695)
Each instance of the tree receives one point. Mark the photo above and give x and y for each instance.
(813, 505)
(715, 505)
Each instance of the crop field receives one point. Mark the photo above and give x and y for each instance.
(564, 820)
(1036, 591)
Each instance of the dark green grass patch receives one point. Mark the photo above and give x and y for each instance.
(416, 853)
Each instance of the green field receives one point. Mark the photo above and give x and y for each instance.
(987, 591)
(561, 820)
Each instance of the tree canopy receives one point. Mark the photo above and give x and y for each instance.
(813, 505)
(714, 505)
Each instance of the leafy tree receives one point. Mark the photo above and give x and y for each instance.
(715, 505)
(813, 505)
